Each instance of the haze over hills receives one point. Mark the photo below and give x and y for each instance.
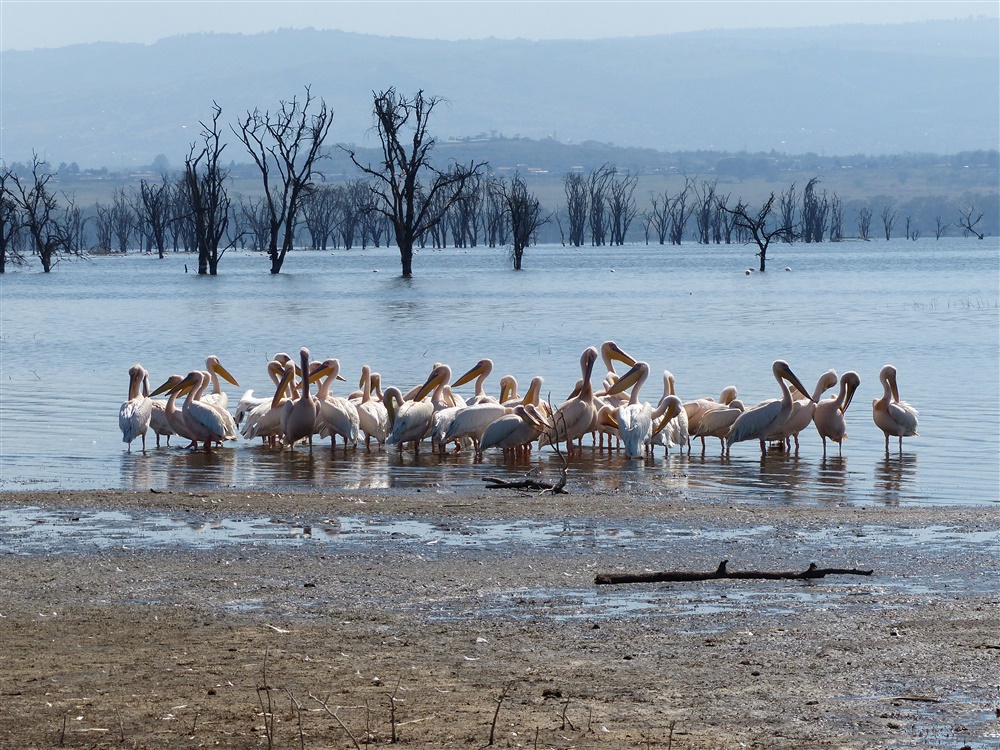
(928, 87)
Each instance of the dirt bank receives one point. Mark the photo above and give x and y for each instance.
(421, 614)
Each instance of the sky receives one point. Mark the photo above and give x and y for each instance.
(32, 24)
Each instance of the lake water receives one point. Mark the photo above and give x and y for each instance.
(932, 308)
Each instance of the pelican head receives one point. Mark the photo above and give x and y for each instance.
(213, 365)
(638, 374)
(888, 376)
(851, 381)
(483, 367)
(781, 369)
(673, 408)
(611, 352)
(439, 376)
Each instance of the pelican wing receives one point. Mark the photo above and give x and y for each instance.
(756, 422)
(905, 416)
(133, 418)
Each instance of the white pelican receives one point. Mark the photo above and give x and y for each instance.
(248, 402)
(373, 419)
(665, 415)
(761, 420)
(573, 418)
(802, 411)
(217, 396)
(697, 408)
(892, 416)
(512, 432)
(472, 420)
(480, 371)
(635, 419)
(676, 430)
(413, 420)
(206, 423)
(337, 415)
(174, 416)
(264, 420)
(158, 422)
(716, 422)
(508, 391)
(134, 414)
(829, 414)
(298, 417)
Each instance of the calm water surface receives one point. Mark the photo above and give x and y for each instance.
(930, 308)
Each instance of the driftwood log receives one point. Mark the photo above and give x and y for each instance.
(722, 572)
(528, 483)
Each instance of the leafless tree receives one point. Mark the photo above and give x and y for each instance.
(621, 206)
(939, 227)
(153, 211)
(401, 124)
(524, 212)
(756, 225)
(286, 147)
(864, 223)
(577, 202)
(209, 202)
(968, 224)
(680, 212)
(495, 225)
(727, 221)
(786, 203)
(321, 209)
(600, 180)
(40, 217)
(836, 219)
(657, 216)
(814, 212)
(888, 221)
(704, 208)
(74, 227)
(181, 227)
(10, 223)
(121, 217)
(257, 221)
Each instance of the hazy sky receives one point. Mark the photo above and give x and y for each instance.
(29, 24)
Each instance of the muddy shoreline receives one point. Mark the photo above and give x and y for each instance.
(356, 634)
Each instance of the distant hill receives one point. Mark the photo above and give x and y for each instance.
(928, 87)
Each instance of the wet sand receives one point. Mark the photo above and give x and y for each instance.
(434, 635)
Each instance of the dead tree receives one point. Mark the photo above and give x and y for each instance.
(122, 219)
(320, 210)
(209, 201)
(153, 211)
(597, 188)
(706, 206)
(864, 223)
(786, 203)
(40, 218)
(10, 224)
(621, 206)
(968, 224)
(286, 147)
(657, 216)
(888, 221)
(939, 227)
(524, 213)
(814, 212)
(680, 212)
(836, 219)
(397, 188)
(755, 224)
(576, 207)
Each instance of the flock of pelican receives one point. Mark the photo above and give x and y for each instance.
(510, 422)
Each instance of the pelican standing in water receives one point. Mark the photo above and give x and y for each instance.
(634, 419)
(298, 417)
(480, 371)
(214, 369)
(174, 416)
(135, 413)
(829, 414)
(373, 419)
(412, 420)
(768, 416)
(575, 416)
(205, 422)
(337, 415)
(264, 420)
(803, 408)
(248, 402)
(892, 416)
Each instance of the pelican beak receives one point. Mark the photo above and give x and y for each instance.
(672, 411)
(607, 418)
(629, 379)
(471, 375)
(286, 379)
(537, 418)
(894, 388)
(613, 352)
(504, 391)
(163, 388)
(432, 382)
(341, 378)
(223, 372)
(792, 378)
(320, 370)
(852, 388)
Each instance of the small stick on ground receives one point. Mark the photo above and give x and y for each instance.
(326, 707)
(500, 699)
(675, 576)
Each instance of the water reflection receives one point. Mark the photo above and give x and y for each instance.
(894, 475)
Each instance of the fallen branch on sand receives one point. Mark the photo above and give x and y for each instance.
(721, 572)
(528, 483)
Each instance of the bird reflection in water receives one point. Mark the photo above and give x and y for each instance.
(893, 475)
